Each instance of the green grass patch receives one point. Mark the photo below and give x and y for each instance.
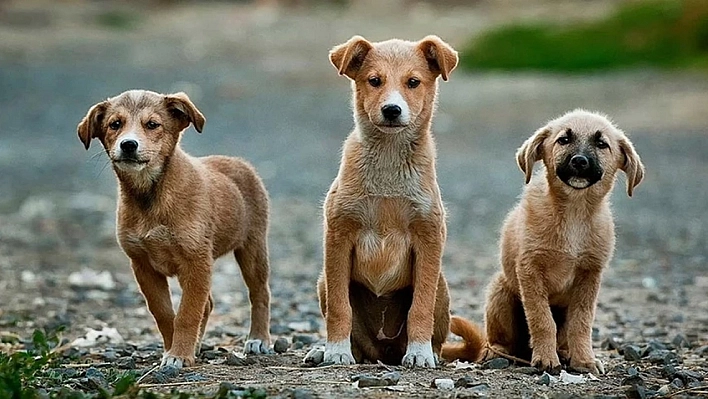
(118, 19)
(665, 34)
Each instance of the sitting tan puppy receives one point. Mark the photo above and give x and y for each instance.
(177, 213)
(382, 291)
(555, 244)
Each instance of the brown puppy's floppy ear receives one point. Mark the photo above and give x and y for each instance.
(441, 58)
(532, 151)
(632, 167)
(183, 109)
(348, 57)
(90, 126)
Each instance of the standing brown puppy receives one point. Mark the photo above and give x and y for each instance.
(176, 214)
(555, 244)
(382, 291)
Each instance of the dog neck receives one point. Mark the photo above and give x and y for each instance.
(396, 165)
(145, 188)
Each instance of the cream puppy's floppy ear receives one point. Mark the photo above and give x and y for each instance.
(182, 108)
(532, 151)
(90, 126)
(441, 57)
(348, 57)
(633, 166)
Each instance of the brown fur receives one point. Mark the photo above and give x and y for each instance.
(555, 244)
(177, 213)
(384, 228)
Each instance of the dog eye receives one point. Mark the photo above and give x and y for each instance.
(563, 140)
(413, 83)
(375, 81)
(115, 125)
(152, 125)
(602, 145)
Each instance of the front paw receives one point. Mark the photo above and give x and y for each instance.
(256, 347)
(593, 366)
(548, 362)
(419, 354)
(169, 359)
(339, 352)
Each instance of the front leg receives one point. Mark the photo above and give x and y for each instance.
(338, 312)
(156, 291)
(427, 242)
(542, 328)
(195, 279)
(581, 313)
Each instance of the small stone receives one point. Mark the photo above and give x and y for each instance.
(169, 371)
(300, 393)
(663, 356)
(632, 380)
(680, 341)
(126, 363)
(110, 355)
(315, 356)
(464, 382)
(544, 379)
(610, 343)
(210, 354)
(96, 377)
(233, 360)
(443, 383)
(366, 380)
(664, 390)
(496, 364)
(636, 392)
(688, 376)
(298, 345)
(281, 345)
(631, 353)
(194, 377)
(479, 389)
(304, 338)
(652, 346)
(702, 351)
(677, 383)
(632, 371)
(392, 377)
(528, 370)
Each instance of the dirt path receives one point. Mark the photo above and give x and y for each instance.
(261, 77)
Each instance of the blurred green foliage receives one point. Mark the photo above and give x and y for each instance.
(647, 33)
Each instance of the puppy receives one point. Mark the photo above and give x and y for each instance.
(554, 245)
(382, 292)
(177, 213)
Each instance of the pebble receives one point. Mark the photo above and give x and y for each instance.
(298, 345)
(281, 345)
(194, 377)
(169, 371)
(110, 355)
(366, 380)
(636, 392)
(300, 393)
(443, 383)
(464, 382)
(688, 376)
(304, 338)
(652, 346)
(315, 356)
(544, 379)
(210, 354)
(96, 377)
(479, 389)
(632, 380)
(233, 360)
(126, 363)
(664, 390)
(496, 364)
(631, 352)
(677, 383)
(663, 356)
(632, 371)
(702, 350)
(680, 341)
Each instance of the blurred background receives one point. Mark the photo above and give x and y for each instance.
(259, 72)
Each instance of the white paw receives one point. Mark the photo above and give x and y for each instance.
(419, 354)
(169, 360)
(315, 356)
(256, 347)
(339, 352)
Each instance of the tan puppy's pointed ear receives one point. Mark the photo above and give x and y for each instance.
(348, 57)
(532, 151)
(632, 166)
(441, 57)
(90, 126)
(185, 111)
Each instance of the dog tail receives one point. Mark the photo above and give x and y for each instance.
(471, 348)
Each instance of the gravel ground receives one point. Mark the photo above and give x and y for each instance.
(261, 77)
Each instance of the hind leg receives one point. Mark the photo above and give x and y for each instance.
(253, 260)
(500, 318)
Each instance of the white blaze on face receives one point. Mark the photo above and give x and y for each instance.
(395, 98)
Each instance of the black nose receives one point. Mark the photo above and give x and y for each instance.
(579, 162)
(391, 111)
(129, 145)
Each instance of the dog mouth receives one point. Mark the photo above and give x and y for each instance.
(130, 163)
(579, 180)
(392, 127)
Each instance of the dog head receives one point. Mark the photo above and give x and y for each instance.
(395, 81)
(139, 129)
(582, 149)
